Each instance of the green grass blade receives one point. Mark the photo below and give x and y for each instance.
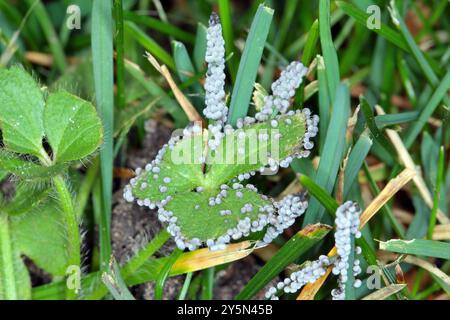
(334, 148)
(249, 64)
(311, 43)
(208, 284)
(160, 26)
(49, 31)
(102, 58)
(200, 47)
(361, 17)
(426, 113)
(149, 44)
(119, 42)
(356, 159)
(437, 191)
(387, 120)
(324, 102)
(299, 244)
(289, 11)
(227, 27)
(419, 247)
(370, 121)
(164, 273)
(185, 288)
(317, 192)
(328, 50)
(414, 49)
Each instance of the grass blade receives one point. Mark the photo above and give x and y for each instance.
(249, 64)
(425, 114)
(50, 33)
(437, 192)
(418, 247)
(119, 42)
(414, 49)
(200, 47)
(356, 159)
(334, 147)
(160, 26)
(316, 191)
(385, 292)
(361, 17)
(149, 44)
(328, 50)
(102, 58)
(164, 273)
(225, 20)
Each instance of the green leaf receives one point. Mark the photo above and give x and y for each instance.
(27, 170)
(27, 197)
(38, 235)
(21, 109)
(72, 127)
(192, 221)
(180, 172)
(183, 167)
(288, 144)
(298, 245)
(419, 247)
(249, 64)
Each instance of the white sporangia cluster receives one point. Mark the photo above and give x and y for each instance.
(154, 169)
(283, 90)
(347, 228)
(288, 209)
(215, 107)
(309, 273)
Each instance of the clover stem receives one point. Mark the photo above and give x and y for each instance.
(73, 233)
(6, 260)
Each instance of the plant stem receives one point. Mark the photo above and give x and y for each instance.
(6, 260)
(73, 234)
(70, 217)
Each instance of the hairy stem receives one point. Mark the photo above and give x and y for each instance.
(70, 217)
(6, 261)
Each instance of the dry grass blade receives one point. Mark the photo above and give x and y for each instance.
(439, 275)
(310, 290)
(187, 106)
(204, 258)
(388, 192)
(429, 267)
(385, 292)
(407, 161)
(441, 232)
